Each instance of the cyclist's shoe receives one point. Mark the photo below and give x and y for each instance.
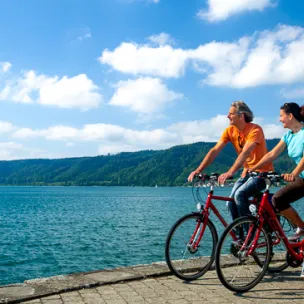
(298, 233)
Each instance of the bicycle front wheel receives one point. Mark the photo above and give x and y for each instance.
(237, 270)
(186, 258)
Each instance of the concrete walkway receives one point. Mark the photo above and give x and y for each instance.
(150, 284)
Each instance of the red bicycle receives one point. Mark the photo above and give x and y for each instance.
(241, 265)
(191, 242)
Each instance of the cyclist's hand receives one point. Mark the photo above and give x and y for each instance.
(288, 177)
(191, 176)
(244, 173)
(222, 178)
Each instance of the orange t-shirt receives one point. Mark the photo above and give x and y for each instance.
(251, 133)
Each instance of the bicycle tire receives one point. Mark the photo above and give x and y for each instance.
(237, 262)
(278, 260)
(177, 253)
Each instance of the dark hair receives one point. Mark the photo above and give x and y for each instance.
(294, 109)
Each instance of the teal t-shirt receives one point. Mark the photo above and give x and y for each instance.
(295, 146)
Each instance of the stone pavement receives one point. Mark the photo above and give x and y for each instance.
(150, 284)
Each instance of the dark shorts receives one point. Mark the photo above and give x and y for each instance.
(289, 194)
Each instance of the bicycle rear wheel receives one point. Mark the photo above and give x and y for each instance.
(237, 270)
(278, 256)
(185, 260)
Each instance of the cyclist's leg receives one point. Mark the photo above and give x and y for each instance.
(289, 194)
(232, 205)
(245, 191)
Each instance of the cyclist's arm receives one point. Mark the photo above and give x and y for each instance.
(270, 156)
(208, 159)
(245, 172)
(299, 168)
(248, 148)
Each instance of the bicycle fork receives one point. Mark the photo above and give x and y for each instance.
(251, 240)
(198, 234)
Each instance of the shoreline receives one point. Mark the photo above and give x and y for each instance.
(44, 287)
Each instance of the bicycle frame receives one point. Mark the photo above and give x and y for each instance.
(266, 214)
(198, 234)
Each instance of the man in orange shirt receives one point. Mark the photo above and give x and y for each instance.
(249, 142)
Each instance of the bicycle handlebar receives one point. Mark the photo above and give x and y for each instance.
(272, 176)
(206, 177)
(212, 177)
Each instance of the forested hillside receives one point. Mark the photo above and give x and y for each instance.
(169, 167)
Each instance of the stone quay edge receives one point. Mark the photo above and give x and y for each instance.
(43, 287)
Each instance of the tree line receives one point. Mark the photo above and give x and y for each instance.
(169, 167)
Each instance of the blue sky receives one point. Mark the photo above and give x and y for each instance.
(84, 78)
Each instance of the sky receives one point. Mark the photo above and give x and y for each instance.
(97, 77)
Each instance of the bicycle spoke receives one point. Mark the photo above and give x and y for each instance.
(278, 258)
(184, 259)
(237, 268)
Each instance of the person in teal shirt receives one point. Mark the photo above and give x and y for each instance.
(295, 146)
(292, 118)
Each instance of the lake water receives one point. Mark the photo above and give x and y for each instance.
(48, 231)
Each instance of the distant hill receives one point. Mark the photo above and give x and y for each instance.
(169, 167)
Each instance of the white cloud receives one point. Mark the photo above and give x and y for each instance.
(137, 59)
(24, 133)
(200, 130)
(220, 61)
(8, 150)
(273, 130)
(110, 137)
(5, 66)
(268, 57)
(114, 138)
(297, 93)
(22, 89)
(12, 150)
(52, 133)
(85, 36)
(5, 127)
(144, 95)
(222, 9)
(75, 92)
(161, 39)
(59, 132)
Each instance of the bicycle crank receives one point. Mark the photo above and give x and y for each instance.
(292, 262)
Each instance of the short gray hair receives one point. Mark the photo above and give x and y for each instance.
(242, 108)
